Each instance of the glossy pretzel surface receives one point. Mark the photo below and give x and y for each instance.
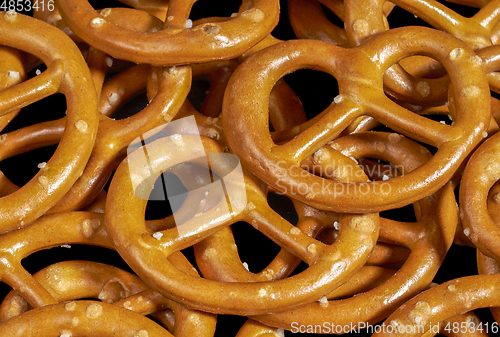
(361, 93)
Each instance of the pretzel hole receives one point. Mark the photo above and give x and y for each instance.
(43, 258)
(159, 205)
(468, 264)
(332, 17)
(206, 9)
(199, 91)
(315, 89)
(47, 109)
(400, 17)
(283, 29)
(403, 214)
(283, 206)
(247, 240)
(430, 68)
(131, 106)
(96, 4)
(23, 167)
(229, 325)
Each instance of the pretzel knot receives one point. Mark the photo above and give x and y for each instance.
(360, 85)
(330, 265)
(67, 74)
(225, 39)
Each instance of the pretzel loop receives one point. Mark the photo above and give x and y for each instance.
(167, 47)
(245, 108)
(329, 265)
(476, 32)
(73, 79)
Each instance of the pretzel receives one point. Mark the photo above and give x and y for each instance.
(82, 318)
(199, 293)
(227, 266)
(71, 280)
(475, 31)
(226, 39)
(66, 71)
(241, 112)
(417, 272)
(433, 306)
(481, 173)
(47, 232)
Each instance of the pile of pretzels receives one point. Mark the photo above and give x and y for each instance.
(182, 159)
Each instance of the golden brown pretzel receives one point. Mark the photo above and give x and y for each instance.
(72, 280)
(475, 31)
(47, 232)
(82, 318)
(360, 94)
(436, 216)
(430, 308)
(363, 20)
(66, 71)
(332, 263)
(480, 175)
(168, 47)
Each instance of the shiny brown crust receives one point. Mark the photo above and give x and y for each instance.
(245, 108)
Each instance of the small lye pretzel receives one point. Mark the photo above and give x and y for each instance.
(224, 39)
(433, 232)
(366, 19)
(227, 266)
(82, 318)
(47, 232)
(73, 280)
(360, 85)
(329, 265)
(66, 73)
(430, 308)
(480, 175)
